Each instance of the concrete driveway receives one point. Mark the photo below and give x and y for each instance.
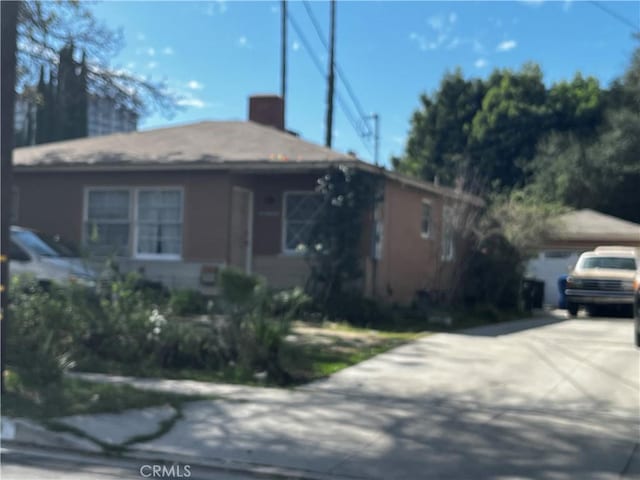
(533, 399)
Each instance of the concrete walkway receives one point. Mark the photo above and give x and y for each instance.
(530, 399)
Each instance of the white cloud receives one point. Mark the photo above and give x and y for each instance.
(398, 139)
(131, 65)
(274, 9)
(219, 7)
(454, 43)
(420, 40)
(506, 45)
(480, 63)
(191, 102)
(436, 22)
(566, 6)
(243, 42)
(152, 65)
(453, 17)
(167, 51)
(151, 51)
(141, 37)
(295, 46)
(533, 3)
(194, 85)
(478, 47)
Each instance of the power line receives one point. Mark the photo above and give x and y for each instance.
(343, 105)
(616, 15)
(341, 75)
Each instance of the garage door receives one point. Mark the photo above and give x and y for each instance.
(548, 266)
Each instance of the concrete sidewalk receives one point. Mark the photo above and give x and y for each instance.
(533, 399)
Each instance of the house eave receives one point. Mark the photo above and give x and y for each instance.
(248, 166)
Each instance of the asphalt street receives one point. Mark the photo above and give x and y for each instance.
(42, 464)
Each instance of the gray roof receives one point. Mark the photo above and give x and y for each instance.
(591, 225)
(247, 146)
(204, 142)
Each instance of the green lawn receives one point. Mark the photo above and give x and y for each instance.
(319, 351)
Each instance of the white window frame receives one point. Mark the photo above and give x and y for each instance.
(132, 244)
(85, 209)
(156, 256)
(427, 202)
(285, 250)
(447, 256)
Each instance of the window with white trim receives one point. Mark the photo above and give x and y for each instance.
(300, 212)
(448, 234)
(159, 222)
(425, 219)
(107, 221)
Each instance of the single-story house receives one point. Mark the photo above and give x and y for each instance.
(572, 234)
(176, 203)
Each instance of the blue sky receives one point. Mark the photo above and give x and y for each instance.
(215, 54)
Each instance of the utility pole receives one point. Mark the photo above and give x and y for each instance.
(331, 76)
(376, 138)
(283, 65)
(8, 22)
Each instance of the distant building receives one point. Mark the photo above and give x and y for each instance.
(104, 117)
(25, 134)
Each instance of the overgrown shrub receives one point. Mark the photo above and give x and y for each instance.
(125, 327)
(334, 243)
(238, 288)
(259, 320)
(46, 326)
(360, 311)
(492, 275)
(188, 302)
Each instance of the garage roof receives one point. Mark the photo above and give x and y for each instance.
(589, 224)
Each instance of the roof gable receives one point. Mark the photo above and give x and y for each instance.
(589, 224)
(204, 142)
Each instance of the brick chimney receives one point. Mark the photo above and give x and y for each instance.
(267, 110)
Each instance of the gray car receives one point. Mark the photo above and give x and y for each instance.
(47, 259)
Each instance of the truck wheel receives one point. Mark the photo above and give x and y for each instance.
(572, 308)
(594, 310)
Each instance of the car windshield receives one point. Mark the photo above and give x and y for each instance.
(34, 243)
(64, 248)
(616, 263)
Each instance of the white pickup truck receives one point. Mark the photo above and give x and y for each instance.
(606, 276)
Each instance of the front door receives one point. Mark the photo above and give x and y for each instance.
(241, 231)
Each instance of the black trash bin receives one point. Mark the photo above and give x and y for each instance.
(532, 293)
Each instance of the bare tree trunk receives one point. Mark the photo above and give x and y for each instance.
(9, 21)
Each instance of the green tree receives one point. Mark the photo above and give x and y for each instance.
(334, 243)
(601, 170)
(438, 144)
(489, 129)
(576, 106)
(505, 131)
